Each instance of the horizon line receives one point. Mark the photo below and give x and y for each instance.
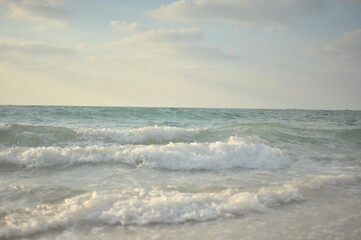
(234, 108)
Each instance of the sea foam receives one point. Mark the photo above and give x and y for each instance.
(145, 135)
(37, 135)
(140, 206)
(233, 153)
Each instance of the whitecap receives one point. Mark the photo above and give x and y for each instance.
(233, 153)
(140, 206)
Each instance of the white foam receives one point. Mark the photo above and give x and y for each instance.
(154, 134)
(234, 153)
(33, 135)
(317, 182)
(139, 206)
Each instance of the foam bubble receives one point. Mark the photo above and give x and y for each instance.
(141, 135)
(316, 182)
(234, 153)
(139, 206)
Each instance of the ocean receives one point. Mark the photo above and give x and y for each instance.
(179, 173)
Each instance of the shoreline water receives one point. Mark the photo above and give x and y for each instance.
(156, 173)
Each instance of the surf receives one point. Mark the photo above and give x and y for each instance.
(233, 153)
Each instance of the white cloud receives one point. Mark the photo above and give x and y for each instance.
(124, 26)
(49, 11)
(203, 53)
(34, 47)
(171, 36)
(277, 28)
(347, 46)
(258, 47)
(238, 11)
(39, 28)
(169, 43)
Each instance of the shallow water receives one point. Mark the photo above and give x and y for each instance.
(161, 173)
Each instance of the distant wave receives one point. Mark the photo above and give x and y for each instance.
(29, 135)
(233, 153)
(46, 136)
(140, 206)
(146, 135)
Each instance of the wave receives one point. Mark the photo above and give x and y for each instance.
(233, 153)
(291, 133)
(14, 195)
(276, 133)
(28, 135)
(146, 135)
(140, 206)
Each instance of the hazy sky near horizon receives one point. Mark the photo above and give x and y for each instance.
(185, 53)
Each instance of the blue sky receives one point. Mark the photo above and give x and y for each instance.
(187, 53)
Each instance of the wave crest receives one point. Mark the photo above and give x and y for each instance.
(146, 135)
(233, 153)
(139, 206)
(33, 136)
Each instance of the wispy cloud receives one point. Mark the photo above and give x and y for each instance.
(34, 47)
(238, 11)
(49, 11)
(123, 26)
(168, 43)
(171, 36)
(276, 28)
(346, 46)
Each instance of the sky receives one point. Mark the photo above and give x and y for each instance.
(303, 54)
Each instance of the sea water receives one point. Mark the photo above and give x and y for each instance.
(179, 173)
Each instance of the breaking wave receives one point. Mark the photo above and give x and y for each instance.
(140, 206)
(29, 135)
(233, 153)
(146, 135)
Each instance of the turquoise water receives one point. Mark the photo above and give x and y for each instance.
(156, 173)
